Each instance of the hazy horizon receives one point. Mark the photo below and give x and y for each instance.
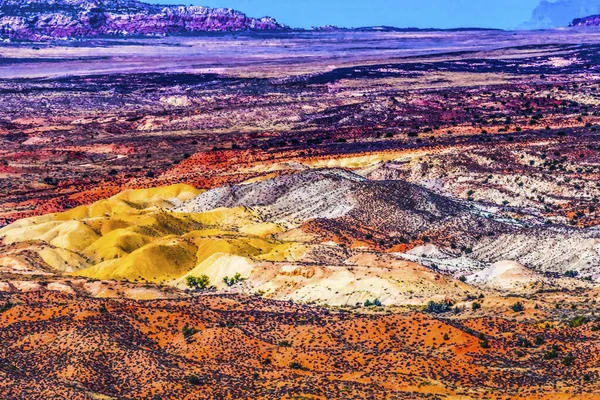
(443, 14)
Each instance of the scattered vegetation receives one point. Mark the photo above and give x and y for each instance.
(578, 321)
(571, 274)
(375, 302)
(198, 283)
(188, 331)
(6, 306)
(193, 380)
(233, 280)
(438, 308)
(551, 354)
(567, 360)
(296, 365)
(517, 307)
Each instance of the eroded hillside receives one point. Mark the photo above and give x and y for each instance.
(366, 215)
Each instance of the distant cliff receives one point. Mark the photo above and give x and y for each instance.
(559, 13)
(592, 20)
(58, 19)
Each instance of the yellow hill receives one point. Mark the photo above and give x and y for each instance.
(135, 235)
(156, 262)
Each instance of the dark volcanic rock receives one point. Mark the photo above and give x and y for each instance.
(51, 19)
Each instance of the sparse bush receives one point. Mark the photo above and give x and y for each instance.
(438, 308)
(198, 283)
(6, 306)
(571, 274)
(284, 343)
(517, 307)
(552, 354)
(233, 280)
(193, 380)
(188, 331)
(296, 365)
(567, 360)
(578, 321)
(475, 306)
(539, 340)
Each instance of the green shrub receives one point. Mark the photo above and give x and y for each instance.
(201, 282)
(6, 306)
(296, 365)
(539, 340)
(567, 360)
(188, 331)
(523, 342)
(437, 308)
(551, 355)
(233, 280)
(193, 380)
(578, 321)
(517, 307)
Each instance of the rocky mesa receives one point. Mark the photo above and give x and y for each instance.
(60, 19)
(592, 20)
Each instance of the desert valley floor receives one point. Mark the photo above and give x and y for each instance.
(301, 215)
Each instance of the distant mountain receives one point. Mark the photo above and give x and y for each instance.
(592, 20)
(560, 13)
(52, 19)
(333, 28)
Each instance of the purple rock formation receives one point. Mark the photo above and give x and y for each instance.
(592, 20)
(60, 19)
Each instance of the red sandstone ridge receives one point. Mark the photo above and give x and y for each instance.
(22, 19)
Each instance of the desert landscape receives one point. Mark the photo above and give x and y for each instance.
(252, 211)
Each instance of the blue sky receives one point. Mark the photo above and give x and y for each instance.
(401, 13)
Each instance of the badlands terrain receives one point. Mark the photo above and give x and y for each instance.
(303, 215)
